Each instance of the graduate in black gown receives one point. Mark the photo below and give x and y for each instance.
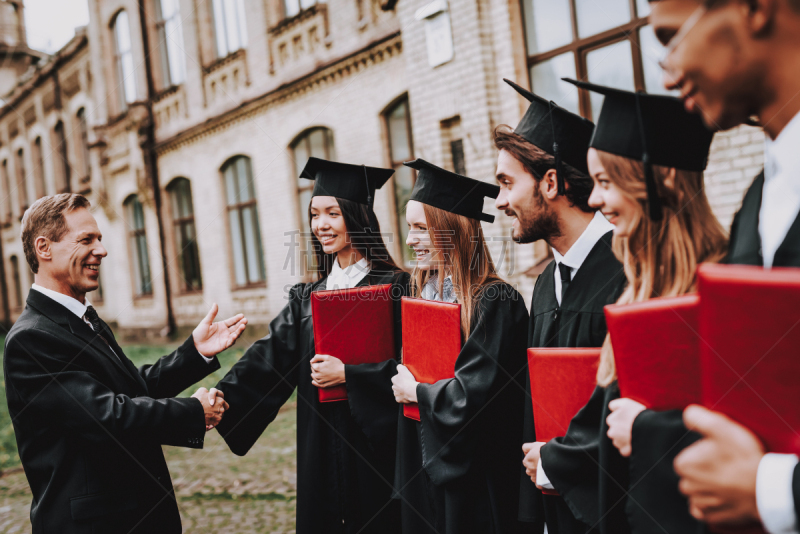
(457, 468)
(762, 54)
(664, 228)
(345, 449)
(545, 187)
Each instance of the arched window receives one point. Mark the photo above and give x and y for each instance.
(5, 216)
(61, 160)
(170, 41)
(137, 240)
(318, 143)
(180, 193)
(245, 233)
(16, 282)
(83, 149)
(230, 30)
(401, 148)
(22, 190)
(38, 169)
(123, 59)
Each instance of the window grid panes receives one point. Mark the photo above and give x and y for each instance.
(22, 190)
(180, 191)
(293, 7)
(401, 148)
(126, 79)
(230, 31)
(138, 244)
(595, 40)
(245, 239)
(170, 42)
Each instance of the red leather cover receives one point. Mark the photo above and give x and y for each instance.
(355, 325)
(750, 364)
(562, 381)
(431, 342)
(657, 351)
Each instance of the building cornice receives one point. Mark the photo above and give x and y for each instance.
(375, 52)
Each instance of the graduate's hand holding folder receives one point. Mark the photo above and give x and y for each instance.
(355, 326)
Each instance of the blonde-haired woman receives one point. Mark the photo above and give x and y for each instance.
(457, 468)
(646, 160)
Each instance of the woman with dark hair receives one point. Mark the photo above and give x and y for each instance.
(458, 467)
(345, 449)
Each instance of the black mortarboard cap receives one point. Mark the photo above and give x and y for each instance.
(653, 129)
(343, 180)
(451, 192)
(561, 133)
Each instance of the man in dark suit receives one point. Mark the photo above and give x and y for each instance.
(89, 425)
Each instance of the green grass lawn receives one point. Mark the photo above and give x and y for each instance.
(139, 355)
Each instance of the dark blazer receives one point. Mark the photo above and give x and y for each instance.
(90, 426)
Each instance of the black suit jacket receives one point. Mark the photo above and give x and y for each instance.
(89, 425)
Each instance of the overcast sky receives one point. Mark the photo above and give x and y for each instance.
(51, 23)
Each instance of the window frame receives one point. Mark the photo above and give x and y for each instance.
(396, 164)
(62, 168)
(83, 150)
(5, 183)
(135, 235)
(37, 158)
(217, 25)
(16, 279)
(581, 46)
(169, 78)
(124, 99)
(180, 224)
(240, 208)
(22, 186)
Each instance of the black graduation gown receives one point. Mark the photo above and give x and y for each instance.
(345, 450)
(578, 322)
(655, 503)
(457, 468)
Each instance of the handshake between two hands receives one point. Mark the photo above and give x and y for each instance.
(214, 405)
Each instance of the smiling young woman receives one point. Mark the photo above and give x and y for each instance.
(345, 449)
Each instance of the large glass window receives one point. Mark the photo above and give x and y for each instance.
(38, 168)
(123, 59)
(317, 143)
(5, 183)
(170, 42)
(137, 239)
(604, 41)
(293, 7)
(22, 190)
(61, 159)
(230, 30)
(180, 192)
(245, 238)
(401, 148)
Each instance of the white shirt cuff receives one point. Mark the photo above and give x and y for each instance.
(541, 477)
(206, 358)
(774, 496)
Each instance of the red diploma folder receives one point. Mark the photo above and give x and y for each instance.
(431, 342)
(657, 351)
(750, 361)
(562, 382)
(355, 325)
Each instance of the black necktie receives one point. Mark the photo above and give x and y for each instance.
(94, 319)
(566, 278)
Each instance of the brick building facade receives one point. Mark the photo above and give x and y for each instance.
(186, 123)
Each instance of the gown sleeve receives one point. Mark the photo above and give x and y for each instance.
(263, 379)
(655, 502)
(455, 413)
(369, 385)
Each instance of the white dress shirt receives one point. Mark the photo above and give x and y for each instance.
(780, 199)
(349, 277)
(577, 253)
(780, 204)
(574, 258)
(79, 309)
(431, 291)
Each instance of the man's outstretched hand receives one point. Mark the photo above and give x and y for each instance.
(211, 338)
(214, 405)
